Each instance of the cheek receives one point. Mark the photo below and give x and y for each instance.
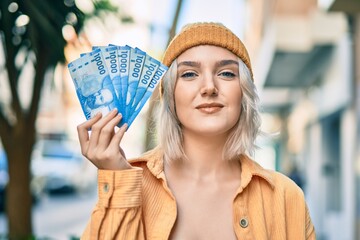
(233, 92)
(237, 103)
(183, 102)
(179, 98)
(182, 95)
(181, 105)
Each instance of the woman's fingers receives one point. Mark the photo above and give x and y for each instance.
(115, 141)
(115, 149)
(102, 147)
(97, 128)
(107, 132)
(83, 132)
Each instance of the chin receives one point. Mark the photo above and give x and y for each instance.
(211, 129)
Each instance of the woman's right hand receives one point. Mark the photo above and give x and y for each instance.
(102, 146)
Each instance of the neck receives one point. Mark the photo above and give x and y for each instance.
(204, 156)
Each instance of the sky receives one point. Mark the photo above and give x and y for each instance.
(153, 20)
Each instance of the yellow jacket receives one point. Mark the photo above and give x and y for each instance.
(137, 204)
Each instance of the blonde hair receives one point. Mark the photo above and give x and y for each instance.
(241, 140)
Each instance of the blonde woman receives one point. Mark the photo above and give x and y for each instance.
(200, 182)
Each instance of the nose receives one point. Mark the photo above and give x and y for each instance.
(209, 87)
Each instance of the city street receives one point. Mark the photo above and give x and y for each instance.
(61, 216)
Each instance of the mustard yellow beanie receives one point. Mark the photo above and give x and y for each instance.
(196, 34)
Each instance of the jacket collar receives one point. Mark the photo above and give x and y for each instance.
(154, 161)
(249, 168)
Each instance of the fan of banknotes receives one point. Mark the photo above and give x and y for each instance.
(113, 76)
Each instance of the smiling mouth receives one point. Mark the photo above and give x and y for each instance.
(210, 107)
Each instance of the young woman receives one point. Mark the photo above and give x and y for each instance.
(200, 182)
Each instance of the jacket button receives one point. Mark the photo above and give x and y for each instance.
(244, 222)
(106, 187)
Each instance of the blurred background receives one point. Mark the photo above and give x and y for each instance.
(305, 56)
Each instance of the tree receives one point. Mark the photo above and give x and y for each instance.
(150, 142)
(31, 35)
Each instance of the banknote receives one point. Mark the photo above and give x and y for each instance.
(110, 54)
(115, 76)
(160, 72)
(93, 84)
(124, 64)
(137, 59)
(147, 74)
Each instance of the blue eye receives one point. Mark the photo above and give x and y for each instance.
(188, 75)
(227, 74)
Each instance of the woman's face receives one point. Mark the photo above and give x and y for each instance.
(207, 91)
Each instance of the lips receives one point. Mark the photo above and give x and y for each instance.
(209, 107)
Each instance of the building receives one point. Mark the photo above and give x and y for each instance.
(305, 69)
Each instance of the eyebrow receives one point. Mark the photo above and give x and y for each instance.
(218, 64)
(189, 64)
(227, 62)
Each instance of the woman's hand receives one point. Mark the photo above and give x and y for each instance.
(102, 147)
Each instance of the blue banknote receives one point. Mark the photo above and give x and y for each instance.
(93, 84)
(114, 76)
(110, 54)
(124, 64)
(137, 60)
(147, 74)
(160, 72)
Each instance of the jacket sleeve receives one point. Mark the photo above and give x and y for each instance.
(310, 230)
(117, 215)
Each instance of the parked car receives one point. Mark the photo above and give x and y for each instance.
(4, 178)
(59, 166)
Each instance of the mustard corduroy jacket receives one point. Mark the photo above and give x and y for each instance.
(137, 204)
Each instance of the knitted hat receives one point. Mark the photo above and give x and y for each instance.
(206, 34)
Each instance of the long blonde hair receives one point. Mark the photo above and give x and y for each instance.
(242, 137)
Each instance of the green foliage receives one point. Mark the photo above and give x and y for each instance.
(46, 19)
(101, 5)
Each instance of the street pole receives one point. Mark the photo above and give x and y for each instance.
(354, 25)
(356, 77)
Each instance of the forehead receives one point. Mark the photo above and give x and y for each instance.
(206, 53)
